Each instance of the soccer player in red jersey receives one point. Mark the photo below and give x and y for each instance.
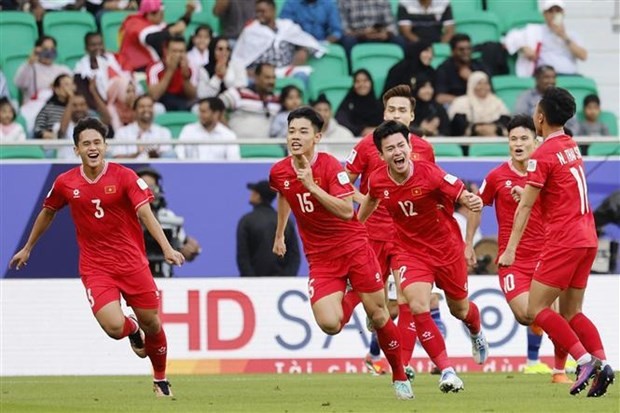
(363, 160)
(314, 186)
(502, 187)
(429, 242)
(556, 174)
(107, 203)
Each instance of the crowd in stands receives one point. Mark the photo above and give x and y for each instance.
(242, 72)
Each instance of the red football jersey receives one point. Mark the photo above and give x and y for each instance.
(109, 233)
(321, 232)
(423, 226)
(556, 167)
(363, 160)
(496, 189)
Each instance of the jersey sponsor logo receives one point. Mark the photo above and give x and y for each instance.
(416, 191)
(141, 184)
(76, 193)
(509, 184)
(531, 165)
(110, 189)
(287, 184)
(352, 156)
(386, 194)
(343, 178)
(451, 179)
(378, 277)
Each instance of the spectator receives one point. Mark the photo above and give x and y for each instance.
(591, 126)
(39, 7)
(549, 44)
(10, 131)
(208, 128)
(452, 74)
(144, 34)
(220, 73)
(430, 117)
(198, 54)
(360, 111)
(479, 112)
(331, 129)
(233, 16)
(279, 42)
(145, 130)
(545, 77)
(290, 99)
(367, 21)
(171, 81)
(4, 87)
(320, 18)
(47, 123)
(429, 21)
(251, 108)
(417, 64)
(255, 233)
(98, 7)
(171, 223)
(121, 97)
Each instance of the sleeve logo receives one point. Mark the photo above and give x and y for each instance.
(531, 165)
(141, 184)
(343, 178)
(484, 185)
(352, 156)
(451, 179)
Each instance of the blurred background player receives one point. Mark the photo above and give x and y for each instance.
(108, 202)
(556, 173)
(317, 190)
(429, 244)
(502, 187)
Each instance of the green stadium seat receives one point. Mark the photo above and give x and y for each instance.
(333, 62)
(377, 58)
(262, 151)
(489, 149)
(441, 51)
(201, 19)
(607, 118)
(515, 13)
(21, 29)
(111, 22)
(281, 83)
(279, 5)
(394, 7)
(465, 7)
(604, 149)
(508, 88)
(21, 152)
(448, 149)
(480, 26)
(69, 29)
(175, 121)
(10, 64)
(579, 87)
(335, 88)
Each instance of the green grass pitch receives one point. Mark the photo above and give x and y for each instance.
(500, 392)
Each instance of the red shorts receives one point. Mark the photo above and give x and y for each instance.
(451, 278)
(564, 268)
(138, 290)
(328, 276)
(516, 279)
(386, 253)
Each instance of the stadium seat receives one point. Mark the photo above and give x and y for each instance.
(335, 88)
(21, 152)
(333, 62)
(394, 7)
(175, 121)
(480, 26)
(604, 149)
(447, 149)
(9, 65)
(261, 151)
(515, 13)
(21, 29)
(465, 7)
(441, 51)
(508, 88)
(69, 29)
(111, 22)
(488, 149)
(579, 87)
(200, 19)
(377, 58)
(281, 83)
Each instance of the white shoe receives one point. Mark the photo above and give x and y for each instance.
(479, 348)
(403, 390)
(450, 382)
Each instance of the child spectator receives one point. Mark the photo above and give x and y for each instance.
(10, 131)
(290, 99)
(591, 126)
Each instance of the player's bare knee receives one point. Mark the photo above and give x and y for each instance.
(434, 300)
(113, 330)
(150, 325)
(458, 311)
(419, 308)
(331, 328)
(523, 318)
(378, 317)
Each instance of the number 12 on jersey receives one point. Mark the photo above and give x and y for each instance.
(408, 209)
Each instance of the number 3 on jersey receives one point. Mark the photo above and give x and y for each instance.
(305, 203)
(99, 213)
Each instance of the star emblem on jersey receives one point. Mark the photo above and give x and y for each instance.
(508, 183)
(110, 189)
(416, 191)
(76, 193)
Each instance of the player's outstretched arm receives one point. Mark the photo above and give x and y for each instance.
(522, 215)
(473, 222)
(471, 201)
(152, 225)
(367, 207)
(284, 211)
(358, 197)
(41, 224)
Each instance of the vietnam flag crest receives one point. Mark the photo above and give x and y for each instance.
(416, 191)
(110, 189)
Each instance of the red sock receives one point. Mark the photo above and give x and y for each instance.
(349, 302)
(472, 320)
(588, 334)
(129, 327)
(156, 347)
(560, 356)
(431, 339)
(408, 334)
(389, 341)
(558, 330)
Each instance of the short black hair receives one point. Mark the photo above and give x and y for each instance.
(523, 121)
(259, 67)
(592, 98)
(40, 40)
(306, 112)
(89, 123)
(88, 36)
(5, 101)
(387, 128)
(542, 69)
(457, 38)
(558, 105)
(139, 98)
(321, 99)
(286, 90)
(176, 39)
(58, 79)
(269, 2)
(215, 104)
